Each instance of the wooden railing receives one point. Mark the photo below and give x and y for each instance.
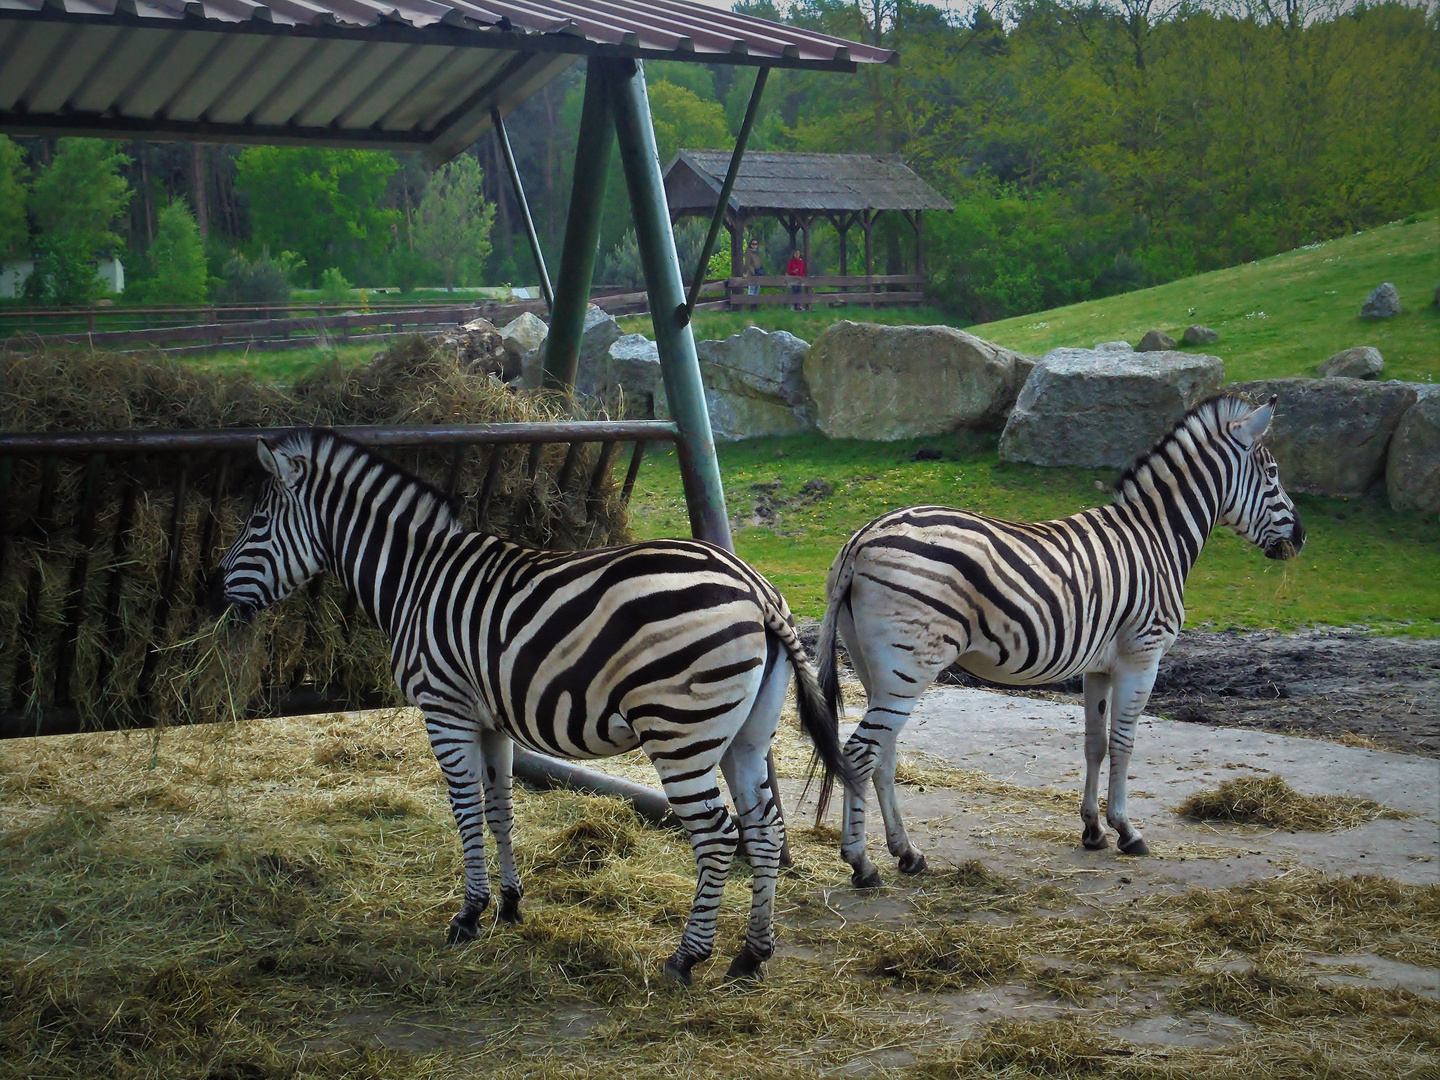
(826, 290)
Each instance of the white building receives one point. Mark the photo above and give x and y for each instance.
(109, 272)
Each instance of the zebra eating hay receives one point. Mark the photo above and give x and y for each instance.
(674, 646)
(1100, 593)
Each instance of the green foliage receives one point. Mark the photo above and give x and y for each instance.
(409, 269)
(323, 204)
(622, 265)
(65, 271)
(453, 231)
(334, 289)
(80, 194)
(178, 256)
(684, 119)
(258, 281)
(14, 228)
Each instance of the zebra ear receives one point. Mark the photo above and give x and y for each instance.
(1249, 428)
(277, 462)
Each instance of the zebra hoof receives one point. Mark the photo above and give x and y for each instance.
(510, 910)
(1134, 846)
(1096, 840)
(679, 970)
(912, 862)
(862, 880)
(747, 966)
(464, 928)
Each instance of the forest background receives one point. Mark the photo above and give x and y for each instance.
(1090, 149)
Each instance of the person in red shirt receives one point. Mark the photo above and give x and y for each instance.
(795, 268)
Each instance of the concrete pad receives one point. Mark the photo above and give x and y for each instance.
(1040, 744)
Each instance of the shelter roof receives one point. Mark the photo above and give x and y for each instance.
(770, 181)
(400, 74)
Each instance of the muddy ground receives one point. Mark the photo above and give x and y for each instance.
(1326, 683)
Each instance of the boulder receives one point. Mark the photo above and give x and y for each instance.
(899, 382)
(1361, 362)
(1156, 341)
(629, 379)
(1113, 347)
(1330, 436)
(601, 331)
(1412, 468)
(524, 337)
(1195, 334)
(754, 385)
(1085, 407)
(1383, 303)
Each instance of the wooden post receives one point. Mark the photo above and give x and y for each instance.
(805, 254)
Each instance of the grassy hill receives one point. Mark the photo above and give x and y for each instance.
(1278, 316)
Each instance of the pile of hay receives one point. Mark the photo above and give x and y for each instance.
(1270, 801)
(87, 542)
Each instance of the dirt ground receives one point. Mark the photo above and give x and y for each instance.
(1325, 683)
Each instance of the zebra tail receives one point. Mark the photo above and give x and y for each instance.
(828, 681)
(818, 719)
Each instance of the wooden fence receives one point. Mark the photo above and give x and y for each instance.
(826, 290)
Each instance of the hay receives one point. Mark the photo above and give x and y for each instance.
(1270, 801)
(128, 668)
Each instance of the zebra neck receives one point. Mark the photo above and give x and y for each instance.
(381, 551)
(1175, 508)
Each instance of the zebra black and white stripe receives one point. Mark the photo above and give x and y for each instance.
(1099, 594)
(674, 646)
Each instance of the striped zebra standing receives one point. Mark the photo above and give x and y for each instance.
(674, 646)
(1100, 593)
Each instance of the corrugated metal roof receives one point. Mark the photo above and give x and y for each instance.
(419, 74)
(816, 182)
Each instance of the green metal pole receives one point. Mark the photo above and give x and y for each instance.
(679, 365)
(582, 232)
(503, 137)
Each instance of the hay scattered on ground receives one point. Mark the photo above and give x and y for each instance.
(1270, 801)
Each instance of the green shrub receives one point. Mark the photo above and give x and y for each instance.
(334, 289)
(178, 256)
(258, 281)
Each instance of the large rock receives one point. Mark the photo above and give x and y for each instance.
(1156, 341)
(899, 382)
(1195, 334)
(1085, 407)
(1412, 467)
(1330, 436)
(601, 331)
(629, 379)
(524, 339)
(1383, 303)
(1361, 362)
(754, 385)
(476, 346)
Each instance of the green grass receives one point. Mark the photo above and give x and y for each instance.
(1310, 298)
(1363, 564)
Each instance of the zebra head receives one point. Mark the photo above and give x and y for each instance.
(277, 550)
(1255, 505)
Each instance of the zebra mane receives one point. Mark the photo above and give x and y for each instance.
(429, 497)
(1213, 413)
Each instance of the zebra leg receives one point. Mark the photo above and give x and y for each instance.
(695, 798)
(867, 752)
(499, 756)
(896, 838)
(747, 769)
(1097, 697)
(1132, 690)
(456, 743)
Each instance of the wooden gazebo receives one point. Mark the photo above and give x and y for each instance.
(847, 190)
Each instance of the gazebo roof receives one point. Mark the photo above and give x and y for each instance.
(772, 181)
(399, 74)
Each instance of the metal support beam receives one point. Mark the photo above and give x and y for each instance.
(582, 231)
(679, 364)
(503, 137)
(722, 204)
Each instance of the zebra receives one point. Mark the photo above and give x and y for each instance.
(674, 646)
(1100, 593)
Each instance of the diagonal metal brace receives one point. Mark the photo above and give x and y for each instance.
(718, 218)
(530, 233)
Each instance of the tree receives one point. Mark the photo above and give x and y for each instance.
(178, 255)
(80, 194)
(683, 119)
(14, 228)
(323, 204)
(453, 230)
